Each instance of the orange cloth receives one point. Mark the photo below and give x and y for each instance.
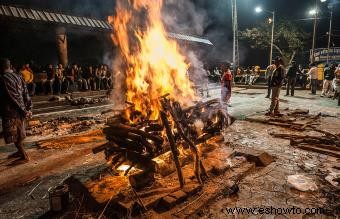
(27, 75)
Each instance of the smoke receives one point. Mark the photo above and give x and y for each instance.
(182, 16)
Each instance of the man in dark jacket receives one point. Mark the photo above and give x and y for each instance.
(329, 75)
(276, 84)
(291, 78)
(15, 107)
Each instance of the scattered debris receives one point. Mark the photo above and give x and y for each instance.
(302, 183)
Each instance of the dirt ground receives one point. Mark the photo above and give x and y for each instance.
(23, 189)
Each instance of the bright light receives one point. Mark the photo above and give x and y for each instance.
(270, 20)
(258, 9)
(313, 12)
(123, 167)
(323, 0)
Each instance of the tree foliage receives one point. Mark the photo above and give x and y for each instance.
(288, 38)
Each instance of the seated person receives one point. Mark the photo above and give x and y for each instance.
(59, 79)
(48, 87)
(28, 76)
(82, 82)
(89, 76)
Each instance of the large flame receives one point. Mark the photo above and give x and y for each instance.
(154, 66)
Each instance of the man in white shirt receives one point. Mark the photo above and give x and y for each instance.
(313, 74)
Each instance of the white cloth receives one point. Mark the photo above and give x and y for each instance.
(313, 73)
(336, 85)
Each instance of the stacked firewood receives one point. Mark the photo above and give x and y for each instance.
(324, 142)
(138, 143)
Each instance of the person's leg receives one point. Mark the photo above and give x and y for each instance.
(277, 98)
(315, 84)
(20, 146)
(34, 86)
(328, 87)
(274, 99)
(293, 82)
(269, 89)
(312, 85)
(288, 86)
(51, 86)
(324, 88)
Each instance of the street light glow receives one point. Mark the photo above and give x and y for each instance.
(313, 12)
(258, 9)
(323, 0)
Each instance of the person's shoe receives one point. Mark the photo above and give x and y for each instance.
(15, 155)
(292, 95)
(321, 95)
(269, 114)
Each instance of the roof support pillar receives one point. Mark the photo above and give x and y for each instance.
(61, 41)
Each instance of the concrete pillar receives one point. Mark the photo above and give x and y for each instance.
(61, 40)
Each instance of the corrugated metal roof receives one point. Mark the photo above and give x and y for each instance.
(44, 16)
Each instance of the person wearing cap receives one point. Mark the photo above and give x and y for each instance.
(276, 85)
(313, 74)
(291, 78)
(15, 107)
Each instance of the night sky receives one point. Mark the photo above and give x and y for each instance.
(214, 17)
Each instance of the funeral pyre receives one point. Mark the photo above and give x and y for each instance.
(144, 146)
(157, 90)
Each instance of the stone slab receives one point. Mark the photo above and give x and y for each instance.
(260, 158)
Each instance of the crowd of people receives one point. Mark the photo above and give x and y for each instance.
(60, 80)
(276, 75)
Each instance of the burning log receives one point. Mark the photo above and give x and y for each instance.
(125, 128)
(173, 148)
(197, 161)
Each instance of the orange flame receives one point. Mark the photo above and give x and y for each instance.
(154, 65)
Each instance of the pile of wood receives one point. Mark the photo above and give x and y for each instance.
(328, 144)
(324, 142)
(298, 119)
(138, 143)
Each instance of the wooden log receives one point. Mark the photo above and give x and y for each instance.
(319, 150)
(154, 128)
(126, 128)
(100, 148)
(141, 180)
(202, 104)
(124, 143)
(174, 150)
(198, 165)
(299, 112)
(203, 138)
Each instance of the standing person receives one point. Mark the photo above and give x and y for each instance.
(226, 82)
(313, 74)
(269, 72)
(276, 84)
(28, 76)
(15, 107)
(329, 75)
(291, 78)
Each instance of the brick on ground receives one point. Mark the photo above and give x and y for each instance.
(260, 158)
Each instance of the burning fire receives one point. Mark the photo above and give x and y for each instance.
(153, 64)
